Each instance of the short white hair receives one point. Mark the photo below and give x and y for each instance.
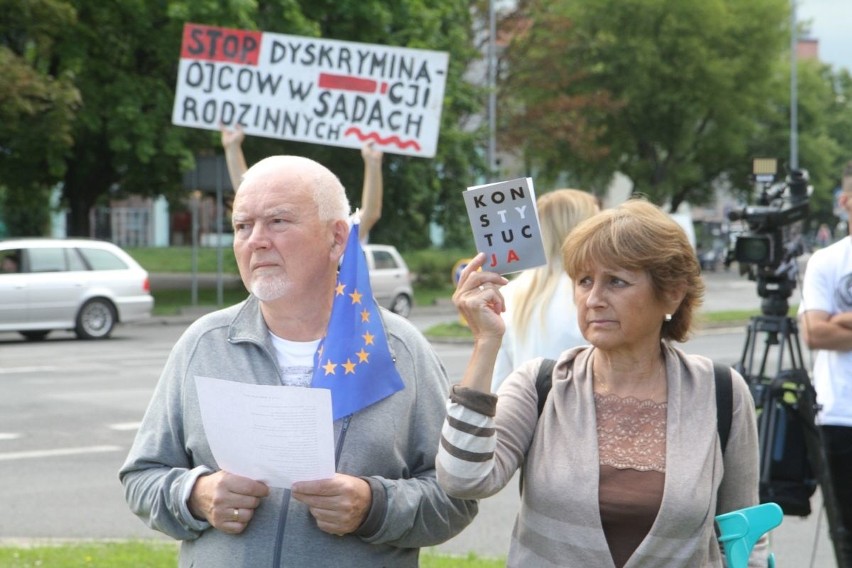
(325, 187)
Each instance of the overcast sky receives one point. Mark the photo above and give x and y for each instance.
(831, 24)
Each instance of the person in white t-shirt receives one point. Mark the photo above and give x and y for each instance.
(541, 320)
(825, 316)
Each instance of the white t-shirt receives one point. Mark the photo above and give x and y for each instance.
(549, 337)
(296, 360)
(827, 287)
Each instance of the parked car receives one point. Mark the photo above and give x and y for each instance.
(390, 278)
(83, 285)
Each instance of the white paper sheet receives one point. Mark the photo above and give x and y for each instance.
(273, 434)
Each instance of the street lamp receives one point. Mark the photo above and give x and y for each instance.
(195, 200)
(492, 90)
(794, 128)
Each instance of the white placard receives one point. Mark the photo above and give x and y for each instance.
(323, 91)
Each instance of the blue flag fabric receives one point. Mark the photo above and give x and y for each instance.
(354, 360)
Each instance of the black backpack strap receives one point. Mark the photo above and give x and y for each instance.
(724, 402)
(543, 382)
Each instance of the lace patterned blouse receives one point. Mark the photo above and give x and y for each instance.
(632, 448)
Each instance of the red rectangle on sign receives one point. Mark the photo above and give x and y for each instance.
(220, 44)
(346, 83)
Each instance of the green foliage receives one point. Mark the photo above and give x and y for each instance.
(173, 301)
(453, 330)
(432, 560)
(25, 211)
(180, 259)
(434, 267)
(671, 94)
(417, 191)
(139, 554)
(91, 86)
(824, 114)
(37, 111)
(824, 119)
(157, 554)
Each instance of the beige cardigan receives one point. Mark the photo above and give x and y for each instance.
(559, 520)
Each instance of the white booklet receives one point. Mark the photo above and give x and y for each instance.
(273, 434)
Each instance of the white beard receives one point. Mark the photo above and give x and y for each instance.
(268, 288)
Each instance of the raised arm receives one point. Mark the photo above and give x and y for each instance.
(371, 194)
(480, 303)
(232, 142)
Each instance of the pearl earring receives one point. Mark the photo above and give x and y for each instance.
(668, 317)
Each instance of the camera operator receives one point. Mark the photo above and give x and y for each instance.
(825, 316)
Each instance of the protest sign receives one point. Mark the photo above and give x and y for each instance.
(505, 225)
(337, 93)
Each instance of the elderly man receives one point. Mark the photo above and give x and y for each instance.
(290, 231)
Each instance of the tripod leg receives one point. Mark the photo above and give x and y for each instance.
(837, 442)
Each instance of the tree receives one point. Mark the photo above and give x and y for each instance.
(837, 125)
(123, 58)
(822, 139)
(37, 106)
(668, 93)
(417, 191)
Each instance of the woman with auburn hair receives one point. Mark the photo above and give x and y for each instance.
(623, 463)
(540, 315)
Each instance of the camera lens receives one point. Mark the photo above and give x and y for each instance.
(754, 249)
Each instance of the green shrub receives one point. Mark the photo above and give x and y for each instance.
(433, 268)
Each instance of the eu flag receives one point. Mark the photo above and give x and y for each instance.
(353, 360)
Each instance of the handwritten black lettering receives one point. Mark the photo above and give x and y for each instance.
(211, 77)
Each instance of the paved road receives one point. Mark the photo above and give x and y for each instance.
(69, 410)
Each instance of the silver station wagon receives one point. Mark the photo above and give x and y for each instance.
(83, 285)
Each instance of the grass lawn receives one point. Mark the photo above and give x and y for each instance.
(157, 554)
(180, 259)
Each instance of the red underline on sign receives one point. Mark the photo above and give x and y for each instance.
(347, 83)
(382, 141)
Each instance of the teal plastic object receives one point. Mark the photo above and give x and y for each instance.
(740, 530)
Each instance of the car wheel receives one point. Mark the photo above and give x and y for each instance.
(35, 335)
(95, 319)
(401, 305)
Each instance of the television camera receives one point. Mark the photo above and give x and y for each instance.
(768, 252)
(792, 458)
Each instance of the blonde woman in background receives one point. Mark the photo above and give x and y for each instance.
(540, 316)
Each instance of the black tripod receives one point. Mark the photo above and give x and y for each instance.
(787, 407)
